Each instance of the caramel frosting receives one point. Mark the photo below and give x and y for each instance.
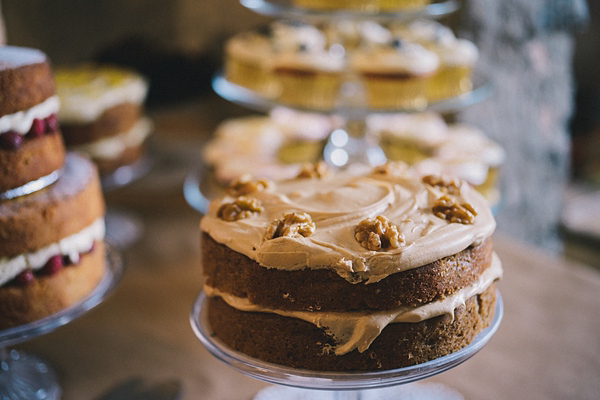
(357, 330)
(337, 203)
(71, 246)
(87, 91)
(21, 121)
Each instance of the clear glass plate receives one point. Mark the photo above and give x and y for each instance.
(127, 174)
(285, 9)
(345, 381)
(112, 276)
(237, 94)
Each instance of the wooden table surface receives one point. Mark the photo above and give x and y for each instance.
(547, 347)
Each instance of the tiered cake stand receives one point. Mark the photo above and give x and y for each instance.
(345, 147)
(23, 376)
(342, 150)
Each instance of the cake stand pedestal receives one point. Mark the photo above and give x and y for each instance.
(23, 376)
(377, 385)
(123, 228)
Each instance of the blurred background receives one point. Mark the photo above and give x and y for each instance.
(542, 57)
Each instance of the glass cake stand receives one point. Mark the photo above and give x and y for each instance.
(23, 376)
(123, 228)
(346, 385)
(285, 9)
(251, 99)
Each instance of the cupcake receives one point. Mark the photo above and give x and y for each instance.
(410, 138)
(396, 75)
(457, 57)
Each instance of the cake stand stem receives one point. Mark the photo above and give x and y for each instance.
(23, 376)
(347, 395)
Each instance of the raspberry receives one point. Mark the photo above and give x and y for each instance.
(25, 278)
(11, 140)
(37, 128)
(53, 265)
(52, 123)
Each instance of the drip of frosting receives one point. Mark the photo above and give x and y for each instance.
(357, 330)
(86, 92)
(15, 57)
(112, 147)
(21, 121)
(337, 203)
(71, 246)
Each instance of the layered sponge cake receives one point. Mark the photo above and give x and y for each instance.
(52, 237)
(102, 113)
(31, 145)
(348, 272)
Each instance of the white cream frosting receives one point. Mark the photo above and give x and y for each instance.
(250, 46)
(424, 32)
(321, 61)
(459, 52)
(337, 204)
(428, 128)
(409, 58)
(15, 57)
(71, 246)
(112, 147)
(357, 330)
(466, 153)
(86, 92)
(289, 37)
(21, 121)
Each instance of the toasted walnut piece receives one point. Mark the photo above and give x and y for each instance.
(378, 233)
(450, 187)
(448, 209)
(391, 168)
(292, 224)
(243, 207)
(318, 170)
(245, 185)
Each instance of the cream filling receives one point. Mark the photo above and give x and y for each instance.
(21, 121)
(357, 330)
(112, 147)
(71, 246)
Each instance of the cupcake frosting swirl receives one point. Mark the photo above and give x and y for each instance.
(337, 204)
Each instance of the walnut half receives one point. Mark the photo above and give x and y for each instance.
(243, 207)
(448, 209)
(451, 187)
(378, 233)
(245, 185)
(318, 170)
(293, 225)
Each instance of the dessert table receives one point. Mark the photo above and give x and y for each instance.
(547, 347)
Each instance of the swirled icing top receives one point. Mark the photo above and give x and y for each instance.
(337, 203)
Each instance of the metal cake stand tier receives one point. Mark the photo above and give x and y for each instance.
(23, 376)
(348, 385)
(286, 9)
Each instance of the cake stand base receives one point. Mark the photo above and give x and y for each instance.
(412, 391)
(23, 376)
